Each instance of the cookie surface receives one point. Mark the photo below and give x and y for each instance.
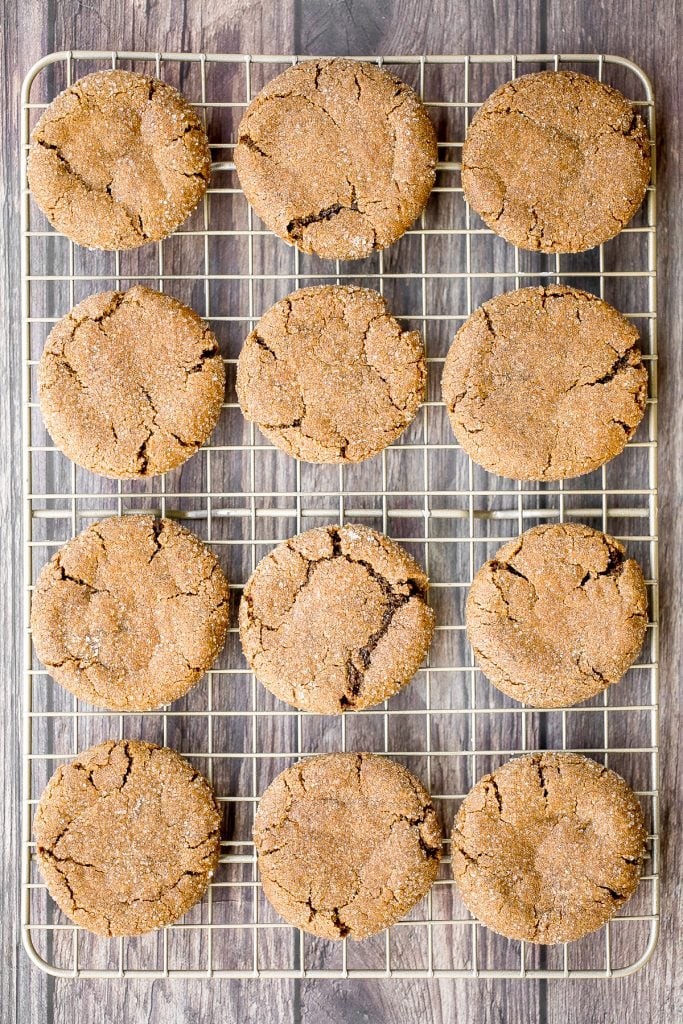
(556, 161)
(127, 837)
(548, 847)
(329, 376)
(347, 844)
(337, 157)
(557, 615)
(131, 383)
(544, 383)
(336, 619)
(118, 160)
(130, 613)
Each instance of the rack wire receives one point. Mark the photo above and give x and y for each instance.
(241, 496)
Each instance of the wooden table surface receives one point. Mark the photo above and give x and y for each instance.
(648, 33)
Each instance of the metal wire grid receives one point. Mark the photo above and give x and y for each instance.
(241, 496)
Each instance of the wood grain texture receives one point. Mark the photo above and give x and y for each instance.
(638, 29)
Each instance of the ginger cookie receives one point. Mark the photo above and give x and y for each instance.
(131, 383)
(557, 615)
(545, 383)
(337, 157)
(118, 160)
(336, 619)
(556, 161)
(548, 847)
(127, 837)
(329, 376)
(130, 613)
(347, 844)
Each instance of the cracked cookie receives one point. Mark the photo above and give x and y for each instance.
(548, 847)
(131, 383)
(337, 157)
(557, 615)
(347, 844)
(336, 619)
(130, 613)
(556, 161)
(329, 376)
(118, 160)
(544, 383)
(127, 837)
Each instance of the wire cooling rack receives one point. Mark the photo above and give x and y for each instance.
(241, 496)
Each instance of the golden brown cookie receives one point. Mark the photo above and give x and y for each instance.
(337, 157)
(347, 844)
(118, 160)
(329, 376)
(130, 613)
(127, 837)
(548, 847)
(336, 619)
(544, 383)
(557, 615)
(556, 161)
(131, 383)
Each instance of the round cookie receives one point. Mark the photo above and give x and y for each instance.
(544, 383)
(131, 383)
(556, 161)
(118, 160)
(130, 613)
(557, 615)
(548, 847)
(336, 619)
(329, 376)
(337, 157)
(347, 844)
(127, 837)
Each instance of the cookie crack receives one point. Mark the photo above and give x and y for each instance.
(492, 787)
(157, 530)
(63, 872)
(618, 897)
(197, 175)
(186, 131)
(296, 227)
(206, 353)
(64, 575)
(134, 217)
(70, 860)
(54, 148)
(626, 427)
(334, 913)
(184, 443)
(404, 95)
(500, 668)
(497, 567)
(249, 142)
(262, 343)
(587, 669)
(117, 299)
(430, 851)
(342, 928)
(355, 673)
(129, 765)
(622, 362)
(401, 409)
(142, 457)
(615, 565)
(509, 567)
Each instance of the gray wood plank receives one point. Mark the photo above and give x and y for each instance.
(649, 34)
